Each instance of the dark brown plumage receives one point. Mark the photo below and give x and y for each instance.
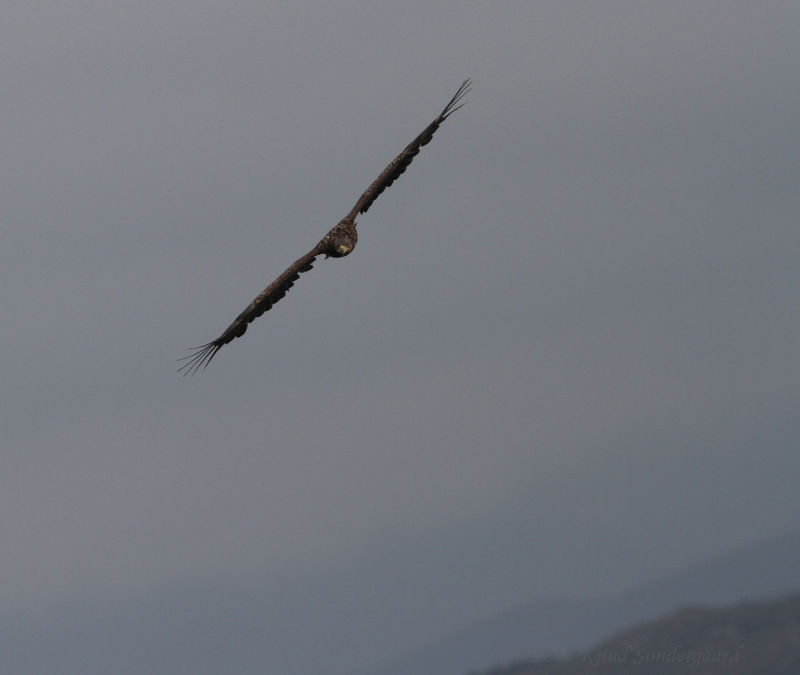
(338, 242)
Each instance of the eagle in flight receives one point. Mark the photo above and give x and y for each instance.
(339, 242)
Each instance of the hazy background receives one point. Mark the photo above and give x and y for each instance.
(562, 360)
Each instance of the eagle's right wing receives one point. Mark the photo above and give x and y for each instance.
(201, 356)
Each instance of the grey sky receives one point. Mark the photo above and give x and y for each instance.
(562, 359)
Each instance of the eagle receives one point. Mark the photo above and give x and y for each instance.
(337, 243)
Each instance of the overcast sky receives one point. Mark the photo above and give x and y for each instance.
(562, 359)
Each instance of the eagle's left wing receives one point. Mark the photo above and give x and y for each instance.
(400, 163)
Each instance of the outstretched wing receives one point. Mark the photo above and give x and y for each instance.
(400, 163)
(201, 356)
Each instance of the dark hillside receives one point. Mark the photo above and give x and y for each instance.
(749, 639)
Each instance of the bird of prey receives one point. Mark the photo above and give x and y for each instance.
(339, 242)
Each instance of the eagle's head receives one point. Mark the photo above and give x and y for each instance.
(343, 246)
(340, 247)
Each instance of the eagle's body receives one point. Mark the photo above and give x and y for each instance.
(341, 239)
(337, 243)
